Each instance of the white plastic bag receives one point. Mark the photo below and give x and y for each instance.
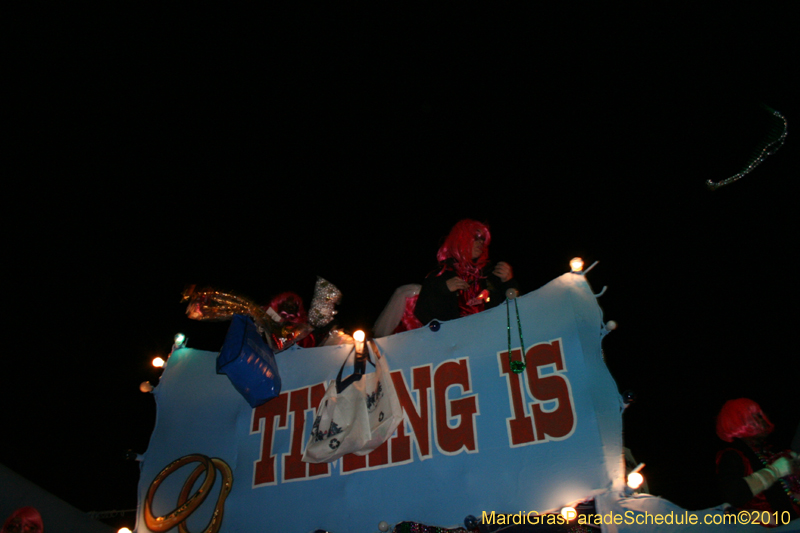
(354, 416)
(342, 422)
(383, 405)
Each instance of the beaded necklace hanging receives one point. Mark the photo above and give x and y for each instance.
(775, 140)
(766, 459)
(416, 527)
(516, 366)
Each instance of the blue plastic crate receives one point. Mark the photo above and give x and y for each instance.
(249, 363)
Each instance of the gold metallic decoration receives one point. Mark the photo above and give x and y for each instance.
(208, 304)
(219, 509)
(769, 148)
(186, 507)
(189, 504)
(326, 296)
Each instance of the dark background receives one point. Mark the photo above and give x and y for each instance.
(146, 152)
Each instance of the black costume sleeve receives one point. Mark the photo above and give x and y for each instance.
(497, 289)
(730, 479)
(436, 300)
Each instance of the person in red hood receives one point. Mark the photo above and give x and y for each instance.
(24, 520)
(750, 474)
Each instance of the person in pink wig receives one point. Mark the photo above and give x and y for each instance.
(465, 282)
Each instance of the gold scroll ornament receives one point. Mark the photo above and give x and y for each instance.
(189, 504)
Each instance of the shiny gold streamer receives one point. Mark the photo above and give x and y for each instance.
(189, 504)
(214, 305)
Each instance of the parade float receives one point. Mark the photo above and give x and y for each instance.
(509, 416)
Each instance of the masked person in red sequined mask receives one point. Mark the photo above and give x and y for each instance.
(752, 476)
(464, 283)
(24, 520)
(288, 322)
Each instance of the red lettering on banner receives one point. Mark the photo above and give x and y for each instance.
(352, 462)
(401, 445)
(395, 451)
(379, 456)
(558, 423)
(537, 424)
(520, 426)
(264, 421)
(419, 419)
(295, 402)
(452, 439)
(376, 458)
(418, 416)
(293, 465)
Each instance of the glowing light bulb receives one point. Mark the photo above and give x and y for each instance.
(146, 387)
(158, 362)
(124, 530)
(569, 513)
(359, 337)
(576, 264)
(635, 480)
(180, 341)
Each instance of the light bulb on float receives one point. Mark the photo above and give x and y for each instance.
(359, 337)
(180, 341)
(569, 513)
(635, 479)
(576, 264)
(158, 362)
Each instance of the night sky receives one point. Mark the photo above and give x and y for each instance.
(147, 152)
